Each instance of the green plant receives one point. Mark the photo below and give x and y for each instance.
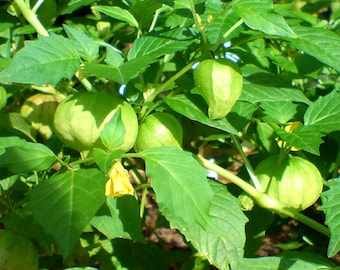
(89, 196)
(159, 129)
(220, 84)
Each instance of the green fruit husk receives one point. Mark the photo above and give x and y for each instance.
(294, 182)
(17, 252)
(220, 83)
(80, 118)
(159, 129)
(39, 109)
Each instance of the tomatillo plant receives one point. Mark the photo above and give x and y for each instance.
(145, 147)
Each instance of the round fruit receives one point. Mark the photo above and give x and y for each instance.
(159, 129)
(80, 118)
(17, 252)
(295, 182)
(220, 83)
(39, 109)
(3, 97)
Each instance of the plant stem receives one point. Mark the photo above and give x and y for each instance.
(143, 202)
(205, 45)
(246, 162)
(31, 17)
(262, 199)
(226, 34)
(154, 20)
(164, 86)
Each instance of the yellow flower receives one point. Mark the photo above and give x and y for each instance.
(119, 184)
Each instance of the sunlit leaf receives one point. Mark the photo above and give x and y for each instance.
(223, 239)
(86, 47)
(178, 179)
(26, 157)
(320, 43)
(278, 112)
(260, 15)
(292, 260)
(255, 93)
(194, 108)
(46, 60)
(324, 113)
(307, 138)
(118, 13)
(163, 43)
(122, 221)
(331, 207)
(65, 203)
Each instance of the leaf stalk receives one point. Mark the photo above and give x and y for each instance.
(31, 17)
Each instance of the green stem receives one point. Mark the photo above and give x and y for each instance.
(37, 5)
(164, 86)
(31, 17)
(226, 34)
(85, 82)
(143, 202)
(81, 161)
(246, 162)
(262, 199)
(205, 44)
(154, 20)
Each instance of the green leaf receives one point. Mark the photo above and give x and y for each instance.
(136, 255)
(105, 159)
(240, 114)
(267, 136)
(145, 12)
(123, 220)
(194, 108)
(118, 13)
(306, 137)
(72, 5)
(278, 112)
(330, 206)
(123, 73)
(157, 44)
(255, 93)
(12, 124)
(7, 182)
(86, 47)
(113, 57)
(324, 113)
(260, 15)
(65, 203)
(180, 184)
(220, 25)
(26, 157)
(320, 43)
(113, 133)
(46, 60)
(6, 142)
(223, 239)
(292, 260)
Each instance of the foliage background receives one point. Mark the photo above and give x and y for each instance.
(289, 54)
